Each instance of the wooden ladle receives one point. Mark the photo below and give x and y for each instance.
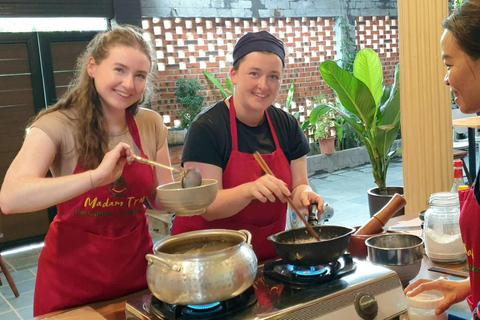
(190, 178)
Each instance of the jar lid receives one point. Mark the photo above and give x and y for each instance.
(444, 199)
(426, 300)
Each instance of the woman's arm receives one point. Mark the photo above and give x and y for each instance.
(453, 291)
(26, 188)
(302, 193)
(161, 176)
(230, 201)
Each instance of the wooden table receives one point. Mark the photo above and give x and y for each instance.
(472, 124)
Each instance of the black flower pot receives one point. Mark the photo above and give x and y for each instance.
(377, 201)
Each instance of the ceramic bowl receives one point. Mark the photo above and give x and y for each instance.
(400, 252)
(187, 201)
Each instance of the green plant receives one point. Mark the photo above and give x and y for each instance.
(374, 108)
(455, 4)
(322, 123)
(348, 45)
(226, 92)
(187, 93)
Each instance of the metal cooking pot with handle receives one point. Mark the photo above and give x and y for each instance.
(201, 267)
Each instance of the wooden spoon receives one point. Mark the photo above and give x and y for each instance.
(190, 178)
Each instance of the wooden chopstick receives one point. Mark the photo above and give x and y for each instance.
(153, 163)
(267, 170)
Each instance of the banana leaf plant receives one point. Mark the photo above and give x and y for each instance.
(226, 92)
(374, 107)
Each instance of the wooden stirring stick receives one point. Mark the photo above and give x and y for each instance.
(153, 163)
(267, 170)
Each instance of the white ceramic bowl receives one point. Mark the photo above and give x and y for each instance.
(187, 201)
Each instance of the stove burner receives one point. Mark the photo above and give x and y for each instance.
(307, 271)
(203, 306)
(217, 310)
(289, 275)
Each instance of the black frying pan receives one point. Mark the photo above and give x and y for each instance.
(298, 247)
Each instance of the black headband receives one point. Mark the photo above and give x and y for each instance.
(258, 41)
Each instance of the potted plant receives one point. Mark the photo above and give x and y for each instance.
(323, 126)
(187, 94)
(374, 112)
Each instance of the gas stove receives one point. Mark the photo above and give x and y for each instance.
(346, 289)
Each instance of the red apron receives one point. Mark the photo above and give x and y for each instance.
(261, 219)
(96, 245)
(469, 222)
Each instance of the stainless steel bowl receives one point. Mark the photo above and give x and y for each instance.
(402, 253)
(395, 249)
(187, 201)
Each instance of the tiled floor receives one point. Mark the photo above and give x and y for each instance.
(345, 190)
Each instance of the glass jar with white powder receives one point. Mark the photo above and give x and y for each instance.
(441, 231)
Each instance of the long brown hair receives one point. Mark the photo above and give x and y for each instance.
(91, 140)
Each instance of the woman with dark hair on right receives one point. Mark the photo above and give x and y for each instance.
(460, 45)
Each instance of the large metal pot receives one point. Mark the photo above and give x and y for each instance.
(202, 267)
(298, 247)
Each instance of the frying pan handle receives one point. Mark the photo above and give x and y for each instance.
(313, 214)
(248, 235)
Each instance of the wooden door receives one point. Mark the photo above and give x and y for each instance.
(21, 97)
(32, 76)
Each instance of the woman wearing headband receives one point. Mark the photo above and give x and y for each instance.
(222, 139)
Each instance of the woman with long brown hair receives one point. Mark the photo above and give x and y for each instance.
(96, 245)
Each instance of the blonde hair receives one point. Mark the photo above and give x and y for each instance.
(91, 140)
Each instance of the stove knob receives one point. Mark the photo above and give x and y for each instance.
(366, 305)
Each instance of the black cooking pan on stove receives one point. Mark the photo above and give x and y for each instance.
(299, 247)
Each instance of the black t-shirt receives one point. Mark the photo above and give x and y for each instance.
(209, 139)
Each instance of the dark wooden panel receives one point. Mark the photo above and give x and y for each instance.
(15, 82)
(63, 78)
(55, 51)
(14, 118)
(61, 90)
(14, 51)
(65, 54)
(13, 121)
(57, 8)
(10, 145)
(24, 225)
(15, 97)
(19, 55)
(14, 66)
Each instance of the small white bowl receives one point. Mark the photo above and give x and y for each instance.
(187, 201)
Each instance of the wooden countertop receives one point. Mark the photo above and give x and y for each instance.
(111, 310)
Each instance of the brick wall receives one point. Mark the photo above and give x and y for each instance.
(186, 47)
(380, 34)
